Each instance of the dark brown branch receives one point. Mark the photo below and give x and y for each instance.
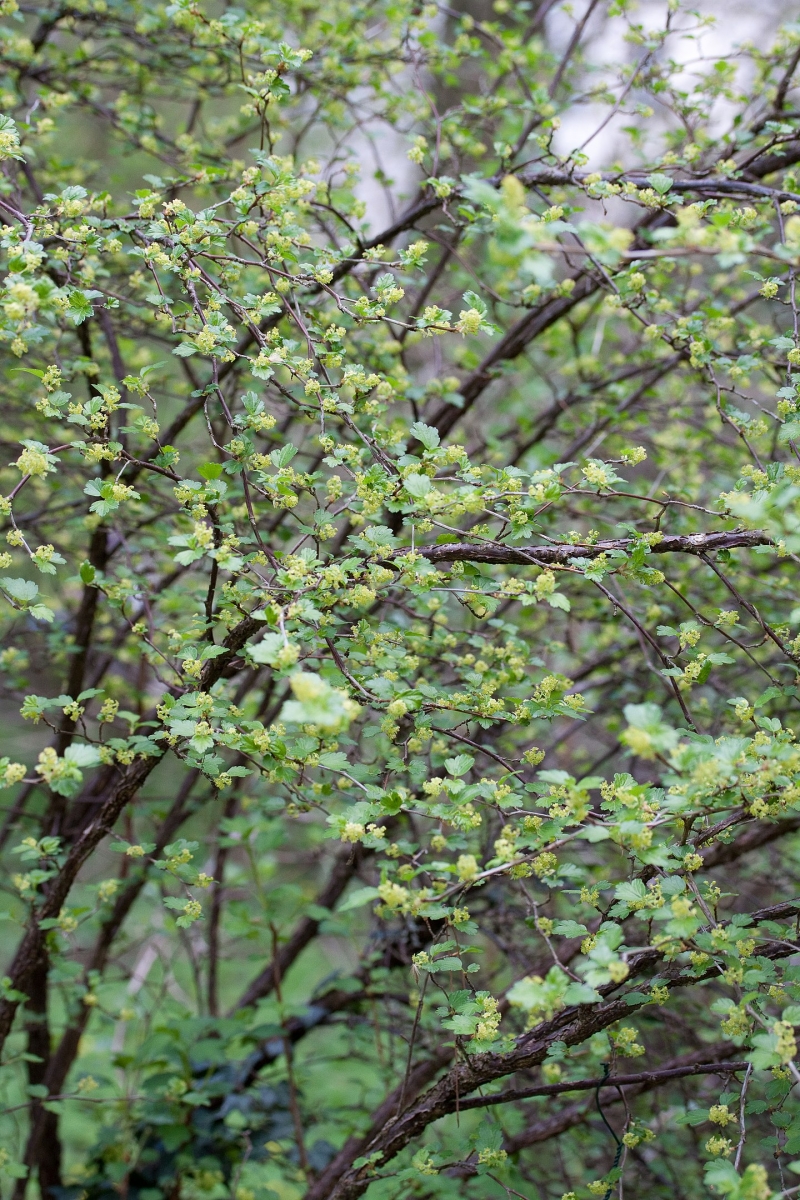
(56, 1067)
(526, 330)
(549, 418)
(564, 554)
(585, 1085)
(114, 801)
(759, 834)
(215, 912)
(714, 186)
(573, 1025)
(785, 83)
(544, 1127)
(585, 283)
(342, 872)
(45, 1151)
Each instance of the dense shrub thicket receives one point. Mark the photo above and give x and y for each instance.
(400, 627)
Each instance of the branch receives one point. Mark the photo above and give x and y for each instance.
(62, 1058)
(108, 811)
(544, 1127)
(564, 554)
(586, 284)
(585, 1085)
(548, 1124)
(573, 1026)
(341, 873)
(760, 834)
(510, 346)
(785, 83)
(714, 186)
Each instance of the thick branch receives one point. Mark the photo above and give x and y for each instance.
(510, 346)
(585, 1085)
(760, 834)
(112, 805)
(586, 282)
(564, 554)
(713, 186)
(544, 1127)
(306, 929)
(45, 1153)
(573, 1026)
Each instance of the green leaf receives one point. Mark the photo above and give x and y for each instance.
(22, 590)
(459, 765)
(283, 456)
(570, 929)
(473, 300)
(581, 993)
(210, 470)
(334, 760)
(659, 182)
(358, 898)
(268, 649)
(632, 892)
(81, 755)
(426, 434)
(722, 1176)
(417, 485)
(789, 432)
(449, 963)
(540, 997)
(79, 307)
(42, 613)
(559, 600)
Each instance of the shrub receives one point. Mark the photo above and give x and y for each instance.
(399, 606)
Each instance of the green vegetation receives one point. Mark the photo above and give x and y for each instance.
(400, 493)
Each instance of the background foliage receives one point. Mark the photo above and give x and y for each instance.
(400, 623)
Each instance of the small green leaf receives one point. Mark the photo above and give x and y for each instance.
(358, 898)
(210, 470)
(21, 590)
(417, 485)
(570, 929)
(459, 765)
(426, 434)
(659, 182)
